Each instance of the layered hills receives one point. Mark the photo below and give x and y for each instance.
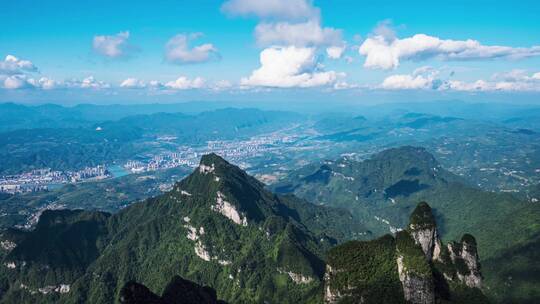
(383, 190)
(218, 227)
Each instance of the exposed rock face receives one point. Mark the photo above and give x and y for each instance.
(204, 169)
(416, 289)
(332, 296)
(414, 270)
(429, 240)
(228, 210)
(298, 278)
(419, 258)
(465, 256)
(424, 231)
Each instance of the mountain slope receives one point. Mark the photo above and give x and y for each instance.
(218, 227)
(412, 267)
(383, 190)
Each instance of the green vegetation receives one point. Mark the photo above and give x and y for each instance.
(72, 147)
(108, 195)
(148, 242)
(422, 217)
(458, 207)
(369, 267)
(368, 270)
(514, 272)
(414, 259)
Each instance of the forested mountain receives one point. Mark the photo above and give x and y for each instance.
(218, 226)
(384, 189)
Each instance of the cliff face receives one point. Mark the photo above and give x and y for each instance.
(414, 270)
(423, 229)
(416, 289)
(464, 255)
(418, 268)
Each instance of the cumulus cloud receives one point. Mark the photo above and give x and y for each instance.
(286, 67)
(181, 83)
(133, 83)
(112, 46)
(15, 82)
(427, 78)
(12, 65)
(421, 78)
(177, 50)
(335, 52)
(271, 9)
(21, 81)
(308, 33)
(46, 83)
(90, 82)
(383, 50)
(184, 83)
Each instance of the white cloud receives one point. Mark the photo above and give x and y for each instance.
(536, 76)
(133, 83)
(112, 46)
(421, 78)
(385, 51)
(308, 33)
(89, 82)
(343, 85)
(184, 83)
(15, 82)
(273, 9)
(47, 83)
(177, 50)
(427, 78)
(12, 65)
(335, 52)
(405, 82)
(222, 85)
(286, 67)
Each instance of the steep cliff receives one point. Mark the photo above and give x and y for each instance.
(410, 267)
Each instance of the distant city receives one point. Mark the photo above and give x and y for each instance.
(42, 179)
(234, 150)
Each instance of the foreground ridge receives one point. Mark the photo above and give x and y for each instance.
(411, 267)
(178, 291)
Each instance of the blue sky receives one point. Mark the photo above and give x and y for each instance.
(165, 51)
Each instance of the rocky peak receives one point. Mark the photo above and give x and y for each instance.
(413, 259)
(423, 229)
(213, 163)
(414, 270)
(465, 256)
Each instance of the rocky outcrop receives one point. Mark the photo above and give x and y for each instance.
(414, 270)
(228, 210)
(465, 257)
(333, 295)
(416, 289)
(417, 269)
(423, 229)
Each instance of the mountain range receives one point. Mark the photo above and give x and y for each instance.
(383, 190)
(218, 227)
